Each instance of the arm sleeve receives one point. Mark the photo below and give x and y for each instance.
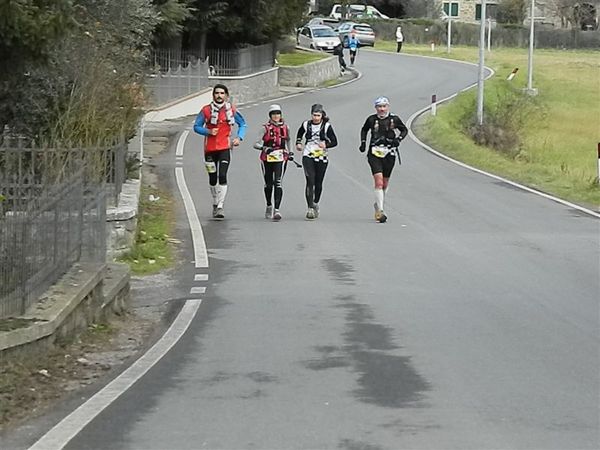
(199, 124)
(401, 127)
(241, 122)
(300, 134)
(364, 130)
(331, 137)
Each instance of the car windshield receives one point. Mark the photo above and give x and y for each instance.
(323, 32)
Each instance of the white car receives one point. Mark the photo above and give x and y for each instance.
(359, 11)
(318, 37)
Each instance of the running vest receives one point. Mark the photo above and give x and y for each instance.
(275, 136)
(221, 140)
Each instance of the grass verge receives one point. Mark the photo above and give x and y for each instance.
(153, 250)
(558, 151)
(298, 58)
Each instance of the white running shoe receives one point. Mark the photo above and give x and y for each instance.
(269, 212)
(220, 213)
(316, 208)
(276, 215)
(310, 214)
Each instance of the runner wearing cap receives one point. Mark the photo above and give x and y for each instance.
(274, 155)
(387, 130)
(318, 136)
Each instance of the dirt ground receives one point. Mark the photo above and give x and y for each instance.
(28, 388)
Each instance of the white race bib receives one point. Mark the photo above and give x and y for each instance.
(380, 151)
(275, 156)
(313, 150)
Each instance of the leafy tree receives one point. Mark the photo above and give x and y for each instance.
(208, 15)
(511, 11)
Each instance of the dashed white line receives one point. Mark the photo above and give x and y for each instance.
(70, 426)
(201, 277)
(198, 290)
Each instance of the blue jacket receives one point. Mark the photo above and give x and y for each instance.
(352, 43)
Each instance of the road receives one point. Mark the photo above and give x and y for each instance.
(468, 321)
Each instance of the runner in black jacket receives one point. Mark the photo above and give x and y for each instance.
(318, 137)
(387, 130)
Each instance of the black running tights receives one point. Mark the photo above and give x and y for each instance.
(273, 173)
(314, 171)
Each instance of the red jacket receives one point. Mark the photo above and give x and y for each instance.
(222, 140)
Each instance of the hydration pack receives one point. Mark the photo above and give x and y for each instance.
(275, 135)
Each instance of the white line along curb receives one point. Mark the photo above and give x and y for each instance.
(70, 426)
(482, 172)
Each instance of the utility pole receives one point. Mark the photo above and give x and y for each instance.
(481, 64)
(530, 89)
(449, 38)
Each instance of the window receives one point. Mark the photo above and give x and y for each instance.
(451, 9)
(490, 11)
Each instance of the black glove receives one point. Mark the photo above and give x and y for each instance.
(362, 147)
(290, 156)
(395, 142)
(268, 150)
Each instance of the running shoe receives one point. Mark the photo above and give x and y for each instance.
(214, 210)
(276, 215)
(377, 212)
(310, 214)
(220, 213)
(316, 208)
(382, 217)
(269, 212)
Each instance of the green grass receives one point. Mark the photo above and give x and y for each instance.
(559, 144)
(152, 250)
(298, 58)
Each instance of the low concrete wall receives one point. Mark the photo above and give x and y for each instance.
(121, 222)
(243, 89)
(88, 293)
(311, 74)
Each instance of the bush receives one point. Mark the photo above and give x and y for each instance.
(506, 113)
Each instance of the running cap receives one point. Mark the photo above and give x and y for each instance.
(317, 107)
(274, 109)
(382, 101)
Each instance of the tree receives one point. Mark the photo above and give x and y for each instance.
(511, 11)
(206, 17)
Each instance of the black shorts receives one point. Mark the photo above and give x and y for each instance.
(381, 165)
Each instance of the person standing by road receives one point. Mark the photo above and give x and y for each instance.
(274, 155)
(215, 122)
(339, 51)
(353, 46)
(399, 38)
(387, 130)
(318, 136)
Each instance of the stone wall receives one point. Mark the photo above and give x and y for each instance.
(121, 221)
(249, 88)
(311, 74)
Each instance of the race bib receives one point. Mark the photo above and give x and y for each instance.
(211, 167)
(380, 151)
(275, 156)
(314, 151)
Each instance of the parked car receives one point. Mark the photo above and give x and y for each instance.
(329, 21)
(337, 11)
(363, 32)
(318, 37)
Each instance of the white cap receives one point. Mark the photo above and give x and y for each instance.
(382, 101)
(274, 108)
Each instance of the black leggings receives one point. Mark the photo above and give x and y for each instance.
(273, 173)
(314, 171)
(220, 159)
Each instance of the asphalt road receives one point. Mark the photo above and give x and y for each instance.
(469, 321)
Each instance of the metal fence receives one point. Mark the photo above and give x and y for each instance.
(52, 214)
(177, 74)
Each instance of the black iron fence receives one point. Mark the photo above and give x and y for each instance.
(176, 74)
(52, 214)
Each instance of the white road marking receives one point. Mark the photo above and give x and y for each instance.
(198, 290)
(200, 254)
(496, 177)
(201, 277)
(181, 143)
(70, 426)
